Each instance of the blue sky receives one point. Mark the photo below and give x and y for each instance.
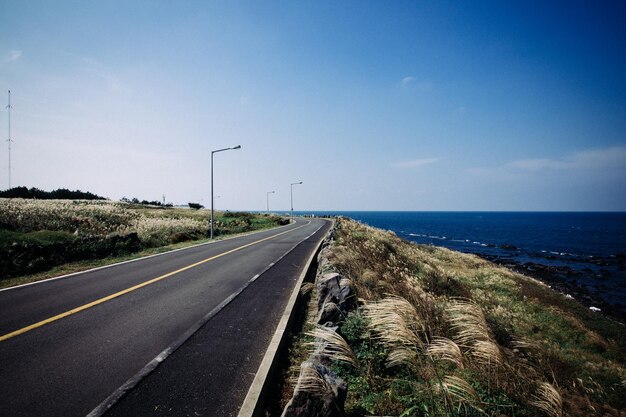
(373, 105)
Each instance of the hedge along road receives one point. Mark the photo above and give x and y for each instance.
(66, 345)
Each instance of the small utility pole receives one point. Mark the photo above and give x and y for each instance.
(9, 140)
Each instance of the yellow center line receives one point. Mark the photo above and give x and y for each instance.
(133, 288)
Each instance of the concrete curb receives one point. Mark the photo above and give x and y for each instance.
(254, 401)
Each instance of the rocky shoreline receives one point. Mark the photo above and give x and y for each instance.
(562, 278)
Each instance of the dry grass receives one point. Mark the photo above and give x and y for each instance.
(311, 381)
(306, 288)
(468, 321)
(444, 349)
(548, 400)
(333, 346)
(402, 356)
(106, 218)
(471, 332)
(99, 218)
(486, 353)
(461, 391)
(394, 321)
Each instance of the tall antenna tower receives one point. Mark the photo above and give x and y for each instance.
(9, 140)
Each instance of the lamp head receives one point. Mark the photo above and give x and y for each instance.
(236, 147)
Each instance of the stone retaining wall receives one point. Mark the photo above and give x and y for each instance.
(335, 298)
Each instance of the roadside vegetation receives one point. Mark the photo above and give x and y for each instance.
(441, 333)
(37, 235)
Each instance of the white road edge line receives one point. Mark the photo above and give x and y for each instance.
(110, 401)
(135, 260)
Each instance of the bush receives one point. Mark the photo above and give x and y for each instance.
(60, 194)
(239, 214)
(24, 253)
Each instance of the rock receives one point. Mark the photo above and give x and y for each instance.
(330, 237)
(329, 313)
(326, 398)
(330, 326)
(508, 247)
(334, 288)
(324, 265)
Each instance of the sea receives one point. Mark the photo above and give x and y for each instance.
(585, 250)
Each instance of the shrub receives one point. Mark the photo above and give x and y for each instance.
(238, 214)
(60, 194)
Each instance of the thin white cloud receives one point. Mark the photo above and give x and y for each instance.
(415, 163)
(13, 56)
(538, 164)
(613, 157)
(412, 83)
(601, 163)
(406, 81)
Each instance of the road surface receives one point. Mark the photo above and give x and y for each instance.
(68, 345)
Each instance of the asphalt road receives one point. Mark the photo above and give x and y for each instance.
(66, 345)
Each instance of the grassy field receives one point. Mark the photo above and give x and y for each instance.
(43, 237)
(440, 333)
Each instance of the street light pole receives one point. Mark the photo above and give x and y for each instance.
(292, 184)
(212, 205)
(268, 200)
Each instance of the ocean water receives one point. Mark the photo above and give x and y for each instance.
(588, 248)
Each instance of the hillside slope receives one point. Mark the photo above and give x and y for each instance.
(438, 333)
